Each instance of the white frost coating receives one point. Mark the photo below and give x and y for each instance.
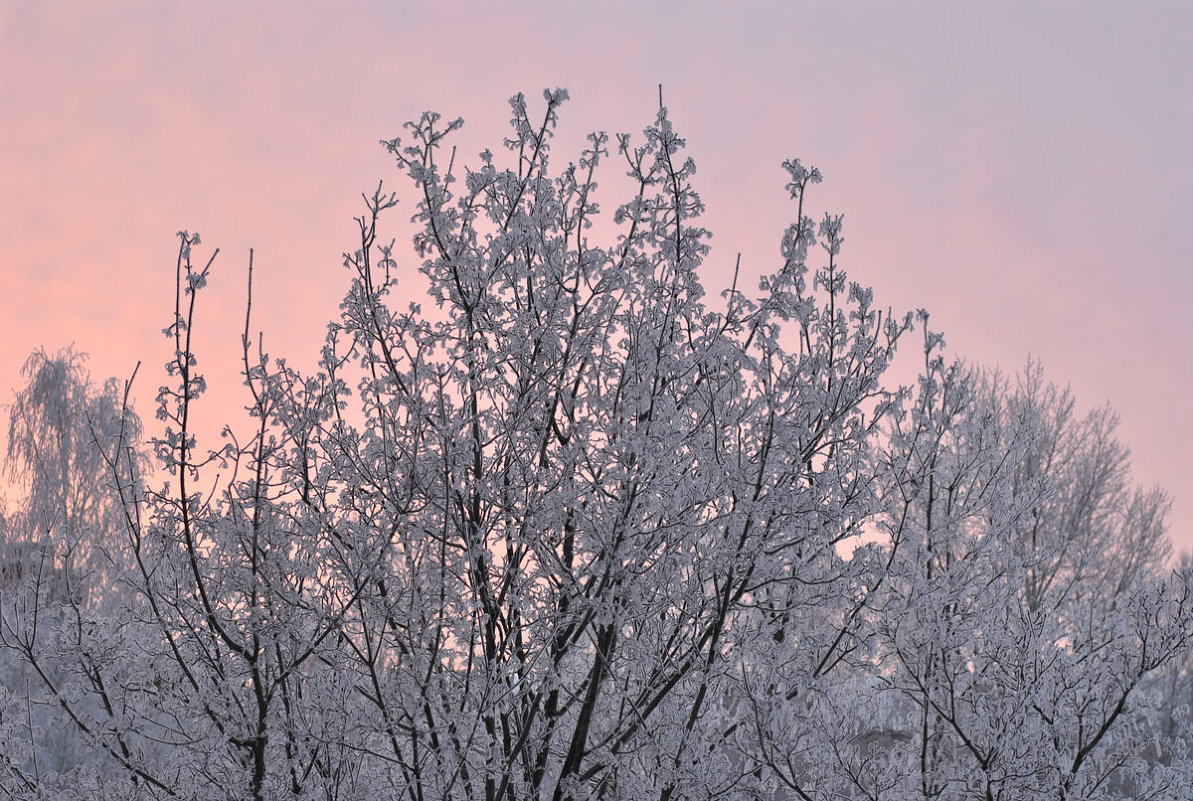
(580, 535)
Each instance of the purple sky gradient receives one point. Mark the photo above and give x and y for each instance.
(1022, 170)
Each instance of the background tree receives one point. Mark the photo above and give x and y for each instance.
(61, 554)
(62, 429)
(1097, 532)
(1023, 671)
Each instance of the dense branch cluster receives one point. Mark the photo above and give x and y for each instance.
(578, 533)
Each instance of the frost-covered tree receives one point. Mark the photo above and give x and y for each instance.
(62, 431)
(577, 531)
(1094, 530)
(1020, 669)
(61, 550)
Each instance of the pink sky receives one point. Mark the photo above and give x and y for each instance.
(1023, 173)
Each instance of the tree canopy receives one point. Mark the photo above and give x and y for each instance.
(580, 531)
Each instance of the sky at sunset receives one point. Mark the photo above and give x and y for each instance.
(1021, 170)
